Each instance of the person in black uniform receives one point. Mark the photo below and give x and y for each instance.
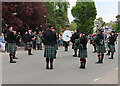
(112, 40)
(65, 43)
(11, 38)
(100, 46)
(82, 50)
(28, 41)
(74, 38)
(49, 40)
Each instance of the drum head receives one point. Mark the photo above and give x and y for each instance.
(66, 35)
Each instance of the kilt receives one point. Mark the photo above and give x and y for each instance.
(112, 48)
(49, 51)
(101, 49)
(56, 47)
(28, 45)
(11, 48)
(82, 53)
(74, 46)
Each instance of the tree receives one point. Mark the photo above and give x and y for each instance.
(73, 26)
(84, 14)
(57, 14)
(24, 15)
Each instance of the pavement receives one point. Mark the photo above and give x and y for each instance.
(31, 69)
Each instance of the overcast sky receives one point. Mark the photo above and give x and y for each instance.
(107, 9)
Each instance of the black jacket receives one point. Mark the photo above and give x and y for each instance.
(49, 38)
(112, 40)
(74, 36)
(11, 38)
(99, 39)
(84, 41)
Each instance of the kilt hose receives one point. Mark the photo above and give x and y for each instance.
(11, 48)
(82, 53)
(28, 45)
(112, 48)
(101, 49)
(49, 51)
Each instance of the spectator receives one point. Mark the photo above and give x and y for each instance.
(2, 42)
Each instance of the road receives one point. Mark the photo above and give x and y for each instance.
(31, 69)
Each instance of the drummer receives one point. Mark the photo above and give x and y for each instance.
(66, 43)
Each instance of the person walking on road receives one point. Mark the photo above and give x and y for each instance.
(11, 38)
(100, 46)
(49, 40)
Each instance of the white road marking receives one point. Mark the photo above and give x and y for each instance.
(97, 79)
(116, 68)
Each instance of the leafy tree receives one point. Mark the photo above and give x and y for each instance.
(57, 14)
(24, 15)
(84, 14)
(73, 26)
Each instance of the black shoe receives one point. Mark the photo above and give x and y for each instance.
(80, 67)
(94, 51)
(107, 54)
(51, 68)
(98, 62)
(74, 55)
(47, 67)
(83, 67)
(30, 54)
(15, 58)
(12, 61)
(110, 58)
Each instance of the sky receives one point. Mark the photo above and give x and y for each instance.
(107, 9)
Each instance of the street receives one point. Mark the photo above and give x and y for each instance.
(31, 69)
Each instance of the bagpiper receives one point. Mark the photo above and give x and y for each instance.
(112, 40)
(82, 50)
(74, 39)
(28, 41)
(49, 40)
(11, 39)
(100, 46)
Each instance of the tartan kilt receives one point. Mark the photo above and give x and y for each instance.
(28, 46)
(11, 48)
(82, 53)
(56, 47)
(49, 51)
(112, 48)
(74, 46)
(101, 49)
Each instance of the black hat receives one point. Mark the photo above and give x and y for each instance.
(112, 31)
(9, 27)
(54, 28)
(77, 30)
(99, 30)
(49, 26)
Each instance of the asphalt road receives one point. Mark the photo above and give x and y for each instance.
(31, 69)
